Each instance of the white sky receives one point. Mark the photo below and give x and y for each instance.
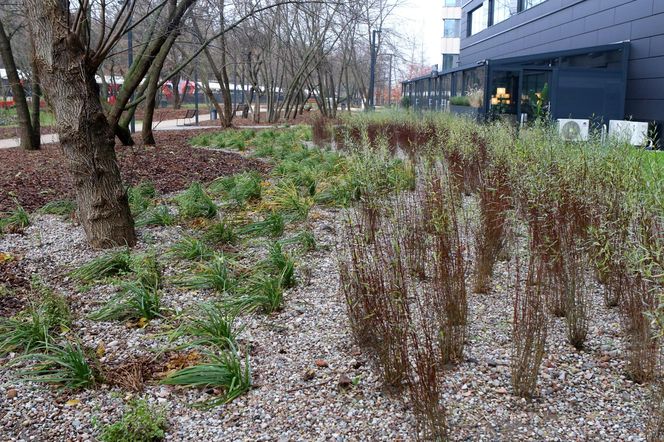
(422, 20)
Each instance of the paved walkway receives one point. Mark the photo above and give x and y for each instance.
(160, 125)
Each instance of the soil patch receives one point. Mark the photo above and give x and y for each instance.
(35, 178)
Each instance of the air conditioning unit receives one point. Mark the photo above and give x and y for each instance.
(633, 132)
(573, 129)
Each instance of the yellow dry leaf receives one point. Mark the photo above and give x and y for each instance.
(143, 322)
(5, 257)
(101, 350)
(72, 402)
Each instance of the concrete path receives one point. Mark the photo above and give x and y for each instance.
(159, 125)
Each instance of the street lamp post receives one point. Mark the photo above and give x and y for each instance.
(372, 79)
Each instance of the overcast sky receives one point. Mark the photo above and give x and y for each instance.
(422, 19)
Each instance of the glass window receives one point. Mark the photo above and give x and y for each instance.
(452, 3)
(450, 61)
(479, 19)
(451, 28)
(530, 3)
(503, 9)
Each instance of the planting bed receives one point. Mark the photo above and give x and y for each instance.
(311, 377)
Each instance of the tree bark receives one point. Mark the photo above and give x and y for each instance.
(28, 140)
(152, 88)
(68, 78)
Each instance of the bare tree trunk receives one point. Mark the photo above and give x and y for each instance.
(36, 102)
(152, 88)
(22, 111)
(85, 134)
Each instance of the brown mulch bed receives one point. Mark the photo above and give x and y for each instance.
(35, 178)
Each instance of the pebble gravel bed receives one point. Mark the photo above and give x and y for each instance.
(303, 357)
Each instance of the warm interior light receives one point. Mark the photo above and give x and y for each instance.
(500, 91)
(494, 100)
(506, 96)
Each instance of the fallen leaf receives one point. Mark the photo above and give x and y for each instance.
(72, 402)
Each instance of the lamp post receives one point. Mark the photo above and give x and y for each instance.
(372, 79)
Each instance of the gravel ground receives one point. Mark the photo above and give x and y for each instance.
(583, 395)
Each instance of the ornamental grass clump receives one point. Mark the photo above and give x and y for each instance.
(135, 301)
(529, 328)
(68, 365)
(14, 221)
(141, 197)
(111, 264)
(224, 370)
(192, 249)
(241, 188)
(495, 202)
(156, 216)
(35, 328)
(212, 324)
(216, 274)
(195, 203)
(60, 207)
(221, 233)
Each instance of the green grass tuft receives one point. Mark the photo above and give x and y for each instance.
(273, 225)
(135, 301)
(192, 249)
(213, 325)
(215, 275)
(60, 207)
(67, 365)
(264, 292)
(195, 203)
(15, 221)
(225, 371)
(240, 188)
(140, 197)
(105, 266)
(157, 216)
(221, 233)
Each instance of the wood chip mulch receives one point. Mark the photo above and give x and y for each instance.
(35, 178)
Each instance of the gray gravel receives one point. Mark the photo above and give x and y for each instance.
(582, 395)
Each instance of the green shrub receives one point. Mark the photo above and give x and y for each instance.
(140, 423)
(460, 100)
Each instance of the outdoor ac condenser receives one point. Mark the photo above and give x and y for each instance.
(573, 129)
(633, 132)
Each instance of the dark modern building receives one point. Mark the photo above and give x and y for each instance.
(601, 59)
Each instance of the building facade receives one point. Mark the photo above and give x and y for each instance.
(451, 40)
(600, 59)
